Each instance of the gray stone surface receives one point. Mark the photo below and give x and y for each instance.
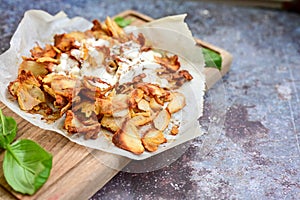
(257, 153)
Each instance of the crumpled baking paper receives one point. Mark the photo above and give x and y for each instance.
(169, 33)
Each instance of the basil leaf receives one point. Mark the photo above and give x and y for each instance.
(8, 130)
(212, 58)
(122, 22)
(26, 166)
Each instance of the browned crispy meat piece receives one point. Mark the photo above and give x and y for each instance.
(39, 52)
(112, 123)
(47, 113)
(103, 106)
(128, 138)
(161, 95)
(37, 69)
(170, 63)
(26, 89)
(91, 84)
(177, 102)
(152, 139)
(98, 31)
(96, 25)
(135, 96)
(65, 86)
(151, 89)
(75, 125)
(175, 130)
(64, 42)
(177, 78)
(185, 74)
(60, 101)
(162, 120)
(86, 107)
(140, 120)
(120, 105)
(114, 30)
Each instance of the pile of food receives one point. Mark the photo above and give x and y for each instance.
(104, 78)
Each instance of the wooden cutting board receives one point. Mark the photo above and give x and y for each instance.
(76, 174)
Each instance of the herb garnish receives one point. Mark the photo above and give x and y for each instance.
(212, 58)
(122, 22)
(26, 165)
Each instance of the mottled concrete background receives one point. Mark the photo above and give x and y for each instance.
(257, 153)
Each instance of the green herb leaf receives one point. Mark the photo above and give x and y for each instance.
(212, 58)
(8, 130)
(122, 22)
(26, 166)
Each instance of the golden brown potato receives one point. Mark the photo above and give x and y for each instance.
(162, 120)
(175, 130)
(140, 120)
(112, 123)
(29, 96)
(64, 42)
(37, 69)
(62, 85)
(177, 102)
(114, 30)
(152, 139)
(39, 52)
(74, 125)
(154, 105)
(26, 89)
(128, 138)
(103, 106)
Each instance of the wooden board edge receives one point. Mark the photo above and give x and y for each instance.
(6, 195)
(136, 14)
(88, 186)
(226, 56)
(213, 75)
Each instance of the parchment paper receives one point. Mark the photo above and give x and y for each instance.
(170, 33)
